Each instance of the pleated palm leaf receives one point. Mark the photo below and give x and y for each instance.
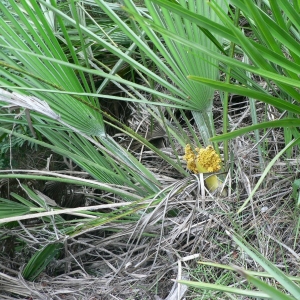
(33, 63)
(182, 59)
(272, 52)
(172, 61)
(61, 100)
(34, 66)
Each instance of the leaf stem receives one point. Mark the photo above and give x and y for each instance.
(226, 94)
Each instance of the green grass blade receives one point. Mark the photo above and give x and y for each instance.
(289, 123)
(288, 284)
(264, 287)
(291, 12)
(225, 289)
(252, 273)
(248, 92)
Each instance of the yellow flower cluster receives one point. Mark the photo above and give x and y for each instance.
(189, 157)
(206, 160)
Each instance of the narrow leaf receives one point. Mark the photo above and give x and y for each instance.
(40, 260)
(289, 122)
(271, 291)
(288, 284)
(223, 288)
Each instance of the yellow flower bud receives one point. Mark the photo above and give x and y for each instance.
(204, 160)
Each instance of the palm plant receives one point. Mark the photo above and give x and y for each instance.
(51, 78)
(49, 59)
